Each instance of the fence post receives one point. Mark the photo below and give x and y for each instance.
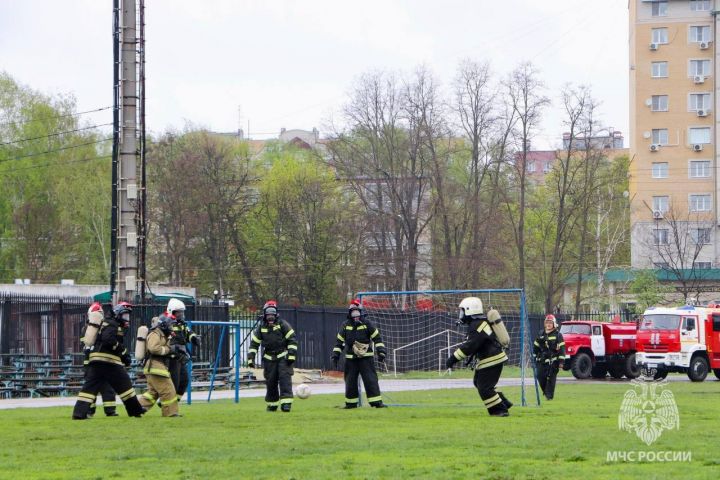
(5, 326)
(60, 329)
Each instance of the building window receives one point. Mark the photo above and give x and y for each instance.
(700, 203)
(531, 166)
(702, 265)
(660, 170)
(700, 236)
(661, 264)
(699, 67)
(660, 35)
(699, 101)
(699, 135)
(659, 69)
(661, 204)
(660, 136)
(699, 168)
(547, 167)
(700, 34)
(659, 103)
(699, 5)
(659, 9)
(660, 236)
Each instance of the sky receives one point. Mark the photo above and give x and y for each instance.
(272, 64)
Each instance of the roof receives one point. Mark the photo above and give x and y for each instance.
(623, 275)
(105, 297)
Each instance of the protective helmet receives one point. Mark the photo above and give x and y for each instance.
(469, 307)
(122, 312)
(95, 307)
(551, 318)
(175, 305)
(164, 324)
(355, 311)
(270, 312)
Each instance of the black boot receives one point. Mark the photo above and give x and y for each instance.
(110, 412)
(271, 408)
(379, 404)
(285, 407)
(349, 406)
(508, 404)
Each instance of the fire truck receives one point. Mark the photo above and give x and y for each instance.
(684, 339)
(594, 349)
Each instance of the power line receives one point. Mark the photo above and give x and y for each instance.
(42, 165)
(56, 150)
(41, 119)
(56, 134)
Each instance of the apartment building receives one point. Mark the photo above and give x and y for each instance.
(674, 175)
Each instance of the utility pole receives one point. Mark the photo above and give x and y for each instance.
(128, 204)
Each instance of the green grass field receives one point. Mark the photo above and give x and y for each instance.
(447, 435)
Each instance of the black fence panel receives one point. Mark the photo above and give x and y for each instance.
(316, 329)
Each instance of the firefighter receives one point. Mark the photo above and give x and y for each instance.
(482, 343)
(106, 391)
(182, 336)
(277, 338)
(359, 339)
(106, 363)
(158, 355)
(549, 352)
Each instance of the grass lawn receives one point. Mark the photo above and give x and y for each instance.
(447, 435)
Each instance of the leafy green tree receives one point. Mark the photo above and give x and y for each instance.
(647, 290)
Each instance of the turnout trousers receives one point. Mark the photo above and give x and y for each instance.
(364, 368)
(278, 382)
(485, 381)
(108, 397)
(547, 376)
(99, 373)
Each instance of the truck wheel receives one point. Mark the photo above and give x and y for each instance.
(717, 373)
(632, 369)
(581, 366)
(660, 374)
(616, 370)
(698, 369)
(599, 371)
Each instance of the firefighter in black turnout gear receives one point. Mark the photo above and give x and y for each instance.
(182, 335)
(107, 362)
(277, 338)
(106, 391)
(482, 343)
(549, 351)
(358, 338)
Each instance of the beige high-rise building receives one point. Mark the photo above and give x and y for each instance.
(674, 187)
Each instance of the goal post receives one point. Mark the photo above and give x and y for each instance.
(420, 328)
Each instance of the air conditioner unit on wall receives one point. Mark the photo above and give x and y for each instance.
(702, 113)
(699, 79)
(653, 46)
(704, 45)
(657, 214)
(654, 147)
(697, 147)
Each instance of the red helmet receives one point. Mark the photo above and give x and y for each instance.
(95, 307)
(552, 318)
(270, 312)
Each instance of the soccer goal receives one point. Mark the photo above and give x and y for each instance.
(420, 328)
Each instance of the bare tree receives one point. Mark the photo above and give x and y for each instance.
(524, 93)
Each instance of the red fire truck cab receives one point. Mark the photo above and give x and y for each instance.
(684, 339)
(594, 349)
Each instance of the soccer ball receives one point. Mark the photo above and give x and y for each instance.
(302, 391)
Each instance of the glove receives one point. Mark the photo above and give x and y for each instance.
(450, 361)
(381, 357)
(251, 363)
(493, 315)
(126, 359)
(290, 362)
(335, 360)
(195, 340)
(561, 365)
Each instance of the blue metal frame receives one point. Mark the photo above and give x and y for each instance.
(524, 344)
(225, 326)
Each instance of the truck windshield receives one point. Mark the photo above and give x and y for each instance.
(660, 322)
(579, 328)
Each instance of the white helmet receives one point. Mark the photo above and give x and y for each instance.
(470, 306)
(175, 305)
